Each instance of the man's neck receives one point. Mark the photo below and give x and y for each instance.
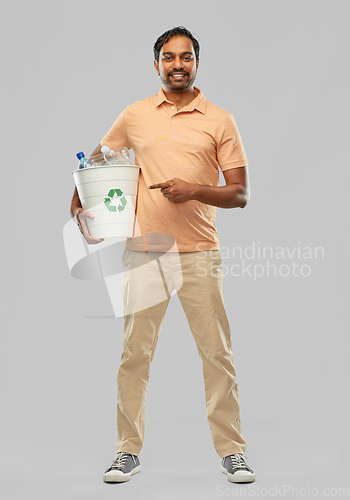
(180, 98)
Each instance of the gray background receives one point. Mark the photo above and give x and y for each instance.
(281, 68)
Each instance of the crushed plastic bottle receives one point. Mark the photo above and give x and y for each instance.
(111, 157)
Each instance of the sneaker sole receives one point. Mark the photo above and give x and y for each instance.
(114, 477)
(239, 476)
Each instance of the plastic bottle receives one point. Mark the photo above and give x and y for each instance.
(83, 162)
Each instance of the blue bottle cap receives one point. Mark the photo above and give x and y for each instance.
(80, 155)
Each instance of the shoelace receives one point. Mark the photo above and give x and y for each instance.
(120, 460)
(238, 462)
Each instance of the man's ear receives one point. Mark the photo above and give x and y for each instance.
(156, 65)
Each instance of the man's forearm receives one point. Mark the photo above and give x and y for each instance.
(229, 196)
(76, 203)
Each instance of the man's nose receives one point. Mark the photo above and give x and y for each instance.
(177, 63)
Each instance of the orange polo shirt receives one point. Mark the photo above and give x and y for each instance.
(191, 144)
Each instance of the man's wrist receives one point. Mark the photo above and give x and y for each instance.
(195, 191)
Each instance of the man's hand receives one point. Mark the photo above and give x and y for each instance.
(176, 190)
(80, 216)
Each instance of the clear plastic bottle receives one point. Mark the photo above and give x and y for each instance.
(83, 162)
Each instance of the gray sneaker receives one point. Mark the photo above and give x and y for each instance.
(122, 468)
(236, 469)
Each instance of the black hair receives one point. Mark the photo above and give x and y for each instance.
(165, 37)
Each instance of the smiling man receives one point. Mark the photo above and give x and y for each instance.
(180, 141)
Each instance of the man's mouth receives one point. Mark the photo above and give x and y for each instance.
(178, 76)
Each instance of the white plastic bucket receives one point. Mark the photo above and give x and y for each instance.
(110, 193)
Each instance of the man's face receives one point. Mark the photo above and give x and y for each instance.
(177, 65)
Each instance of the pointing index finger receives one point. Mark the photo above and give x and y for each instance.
(159, 185)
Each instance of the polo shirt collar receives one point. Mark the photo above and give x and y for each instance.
(199, 102)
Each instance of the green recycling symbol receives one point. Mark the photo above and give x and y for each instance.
(122, 200)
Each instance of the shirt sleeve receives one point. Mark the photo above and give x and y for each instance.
(117, 136)
(230, 150)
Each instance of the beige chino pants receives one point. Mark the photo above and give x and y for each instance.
(148, 281)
